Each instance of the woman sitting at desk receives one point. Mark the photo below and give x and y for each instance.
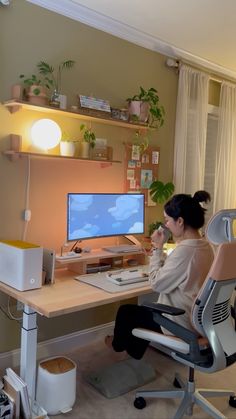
(177, 277)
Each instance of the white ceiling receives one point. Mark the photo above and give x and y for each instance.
(200, 31)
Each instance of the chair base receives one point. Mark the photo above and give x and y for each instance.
(190, 396)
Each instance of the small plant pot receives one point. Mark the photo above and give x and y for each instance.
(138, 111)
(84, 150)
(67, 148)
(37, 95)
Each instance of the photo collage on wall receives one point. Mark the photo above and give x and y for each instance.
(141, 169)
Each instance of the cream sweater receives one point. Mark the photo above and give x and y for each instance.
(181, 276)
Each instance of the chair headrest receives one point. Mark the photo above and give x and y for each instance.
(222, 227)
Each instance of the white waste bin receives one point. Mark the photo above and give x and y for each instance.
(56, 385)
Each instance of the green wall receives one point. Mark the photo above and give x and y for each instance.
(106, 67)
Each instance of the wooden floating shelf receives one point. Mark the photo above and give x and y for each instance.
(14, 155)
(15, 105)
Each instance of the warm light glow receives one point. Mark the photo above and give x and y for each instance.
(45, 134)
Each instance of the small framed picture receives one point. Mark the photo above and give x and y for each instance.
(146, 178)
(130, 174)
(155, 157)
(145, 158)
(131, 164)
(135, 152)
(132, 184)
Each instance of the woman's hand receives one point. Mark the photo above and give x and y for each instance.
(158, 238)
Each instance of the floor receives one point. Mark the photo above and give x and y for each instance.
(90, 404)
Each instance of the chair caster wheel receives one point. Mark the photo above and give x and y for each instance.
(140, 403)
(232, 401)
(176, 383)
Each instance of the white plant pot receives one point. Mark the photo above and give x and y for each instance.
(67, 148)
(139, 110)
(84, 149)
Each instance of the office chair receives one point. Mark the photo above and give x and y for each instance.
(213, 346)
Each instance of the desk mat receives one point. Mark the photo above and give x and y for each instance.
(122, 377)
(100, 280)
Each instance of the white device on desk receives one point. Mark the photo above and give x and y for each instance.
(68, 256)
(21, 264)
(127, 276)
(49, 265)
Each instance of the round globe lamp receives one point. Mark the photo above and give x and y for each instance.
(45, 134)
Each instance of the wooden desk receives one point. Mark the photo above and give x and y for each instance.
(65, 296)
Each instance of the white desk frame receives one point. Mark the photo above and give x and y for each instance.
(65, 296)
(29, 349)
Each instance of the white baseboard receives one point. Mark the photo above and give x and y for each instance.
(59, 346)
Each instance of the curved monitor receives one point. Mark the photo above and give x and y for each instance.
(222, 227)
(97, 215)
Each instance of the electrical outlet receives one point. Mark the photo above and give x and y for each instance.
(19, 306)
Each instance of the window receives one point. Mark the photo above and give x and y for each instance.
(210, 160)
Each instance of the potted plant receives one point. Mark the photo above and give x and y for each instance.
(67, 145)
(145, 107)
(88, 140)
(35, 91)
(160, 193)
(53, 76)
(142, 139)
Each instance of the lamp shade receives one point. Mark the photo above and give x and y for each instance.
(45, 134)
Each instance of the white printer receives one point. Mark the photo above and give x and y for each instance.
(21, 264)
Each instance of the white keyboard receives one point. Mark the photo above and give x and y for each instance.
(68, 256)
(127, 276)
(123, 248)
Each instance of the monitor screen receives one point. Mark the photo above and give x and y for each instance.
(104, 214)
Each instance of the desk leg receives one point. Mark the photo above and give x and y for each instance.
(29, 349)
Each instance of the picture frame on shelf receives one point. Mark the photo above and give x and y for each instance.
(90, 102)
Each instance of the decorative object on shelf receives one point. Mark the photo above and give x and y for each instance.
(35, 91)
(94, 103)
(101, 151)
(145, 107)
(88, 140)
(52, 77)
(67, 145)
(122, 114)
(63, 101)
(45, 134)
(16, 91)
(55, 99)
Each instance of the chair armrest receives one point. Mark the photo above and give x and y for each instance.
(164, 308)
(176, 329)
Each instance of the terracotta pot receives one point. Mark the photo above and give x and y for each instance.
(138, 110)
(37, 99)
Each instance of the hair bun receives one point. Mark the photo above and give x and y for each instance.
(202, 196)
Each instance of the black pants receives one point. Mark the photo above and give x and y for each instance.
(128, 317)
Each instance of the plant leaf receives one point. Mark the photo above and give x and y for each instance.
(161, 192)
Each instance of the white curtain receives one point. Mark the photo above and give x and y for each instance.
(190, 130)
(225, 182)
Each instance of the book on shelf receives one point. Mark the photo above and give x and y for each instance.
(19, 385)
(13, 394)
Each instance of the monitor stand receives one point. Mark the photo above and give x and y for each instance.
(133, 240)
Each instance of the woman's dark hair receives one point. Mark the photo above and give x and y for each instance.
(189, 208)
